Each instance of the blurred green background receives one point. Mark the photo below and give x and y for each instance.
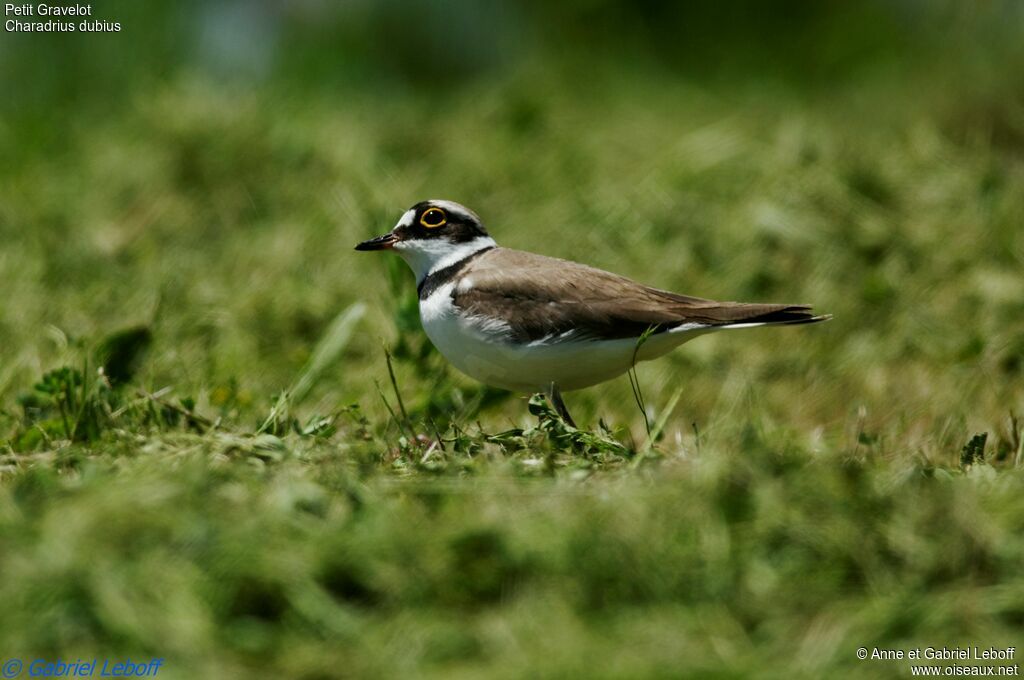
(204, 173)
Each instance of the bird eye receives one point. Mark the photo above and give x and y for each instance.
(432, 218)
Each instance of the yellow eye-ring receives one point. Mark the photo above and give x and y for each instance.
(432, 218)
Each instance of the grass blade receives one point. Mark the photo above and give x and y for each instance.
(659, 424)
(327, 351)
(325, 354)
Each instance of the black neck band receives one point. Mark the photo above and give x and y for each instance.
(435, 280)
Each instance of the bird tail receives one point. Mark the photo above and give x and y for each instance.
(713, 315)
(746, 315)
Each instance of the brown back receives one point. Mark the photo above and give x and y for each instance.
(542, 296)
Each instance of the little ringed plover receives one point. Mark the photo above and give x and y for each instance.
(530, 323)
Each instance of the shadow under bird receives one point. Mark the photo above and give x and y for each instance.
(530, 323)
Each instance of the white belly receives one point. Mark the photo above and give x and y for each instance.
(481, 349)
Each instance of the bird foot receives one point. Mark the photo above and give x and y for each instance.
(554, 396)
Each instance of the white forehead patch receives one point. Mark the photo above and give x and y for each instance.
(407, 217)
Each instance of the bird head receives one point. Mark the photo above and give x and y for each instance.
(431, 233)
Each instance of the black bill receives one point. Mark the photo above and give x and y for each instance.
(384, 242)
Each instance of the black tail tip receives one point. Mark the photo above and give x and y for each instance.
(791, 316)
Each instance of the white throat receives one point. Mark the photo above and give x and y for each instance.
(426, 256)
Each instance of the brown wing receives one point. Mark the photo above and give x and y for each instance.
(546, 297)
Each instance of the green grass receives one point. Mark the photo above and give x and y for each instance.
(246, 489)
